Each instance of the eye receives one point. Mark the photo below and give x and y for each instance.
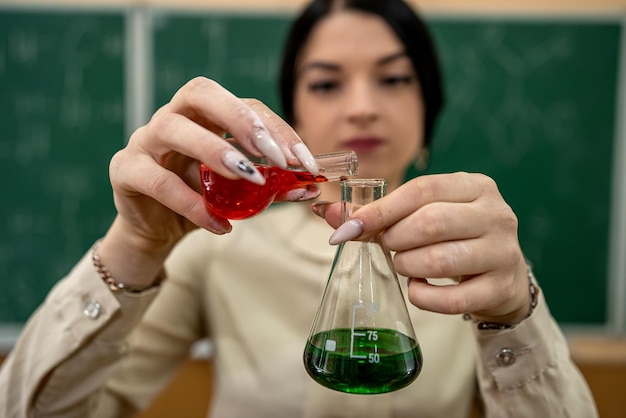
(323, 86)
(397, 80)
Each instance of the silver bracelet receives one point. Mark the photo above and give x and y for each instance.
(532, 287)
(113, 284)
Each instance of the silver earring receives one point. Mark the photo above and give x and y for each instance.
(422, 159)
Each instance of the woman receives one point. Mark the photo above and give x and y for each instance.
(357, 74)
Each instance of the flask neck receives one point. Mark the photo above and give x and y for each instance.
(359, 192)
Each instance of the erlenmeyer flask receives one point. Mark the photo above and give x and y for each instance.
(362, 340)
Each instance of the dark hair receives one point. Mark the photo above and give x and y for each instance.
(406, 24)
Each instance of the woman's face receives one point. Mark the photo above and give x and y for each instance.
(357, 89)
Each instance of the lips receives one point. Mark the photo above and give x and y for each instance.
(363, 144)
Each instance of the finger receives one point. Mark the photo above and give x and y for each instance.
(149, 179)
(173, 132)
(446, 259)
(252, 123)
(291, 144)
(437, 222)
(205, 99)
(468, 296)
(298, 195)
(330, 211)
(484, 297)
(459, 257)
(384, 212)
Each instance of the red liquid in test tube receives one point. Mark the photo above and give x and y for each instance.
(241, 199)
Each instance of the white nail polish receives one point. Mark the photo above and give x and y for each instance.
(306, 158)
(266, 144)
(237, 163)
(346, 232)
(295, 195)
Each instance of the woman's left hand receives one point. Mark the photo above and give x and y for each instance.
(448, 226)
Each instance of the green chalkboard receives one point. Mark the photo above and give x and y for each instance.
(240, 51)
(62, 117)
(530, 103)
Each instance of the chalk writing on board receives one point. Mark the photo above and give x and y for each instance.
(215, 32)
(258, 67)
(3, 59)
(510, 120)
(63, 118)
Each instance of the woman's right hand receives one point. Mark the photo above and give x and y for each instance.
(155, 178)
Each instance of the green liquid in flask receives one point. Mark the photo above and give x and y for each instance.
(364, 361)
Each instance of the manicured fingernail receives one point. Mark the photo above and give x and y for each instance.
(266, 144)
(311, 193)
(295, 195)
(346, 232)
(220, 227)
(301, 195)
(319, 208)
(217, 224)
(306, 158)
(242, 166)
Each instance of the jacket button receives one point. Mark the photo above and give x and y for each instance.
(92, 309)
(505, 357)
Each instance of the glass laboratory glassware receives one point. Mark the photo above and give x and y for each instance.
(362, 339)
(241, 199)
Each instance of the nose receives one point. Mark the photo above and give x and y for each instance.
(361, 105)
